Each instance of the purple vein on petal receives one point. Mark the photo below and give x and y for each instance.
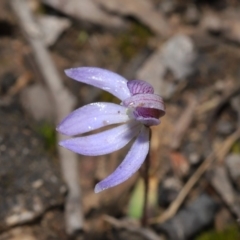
(101, 78)
(139, 86)
(130, 164)
(104, 142)
(91, 117)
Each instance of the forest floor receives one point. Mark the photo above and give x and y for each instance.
(189, 51)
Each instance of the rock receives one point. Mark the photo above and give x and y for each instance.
(176, 59)
(190, 220)
(179, 56)
(29, 182)
(52, 27)
(225, 127)
(86, 10)
(36, 100)
(194, 158)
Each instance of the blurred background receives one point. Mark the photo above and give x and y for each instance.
(188, 50)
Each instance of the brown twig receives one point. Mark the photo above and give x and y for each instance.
(131, 227)
(220, 181)
(64, 103)
(220, 153)
(219, 107)
(183, 124)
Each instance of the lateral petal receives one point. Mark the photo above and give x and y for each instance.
(91, 117)
(104, 142)
(101, 78)
(130, 164)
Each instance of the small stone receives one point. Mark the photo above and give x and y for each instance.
(37, 184)
(196, 216)
(179, 56)
(194, 158)
(225, 127)
(169, 64)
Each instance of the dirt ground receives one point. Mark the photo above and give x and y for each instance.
(189, 51)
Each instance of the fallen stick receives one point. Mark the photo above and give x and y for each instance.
(222, 184)
(220, 153)
(183, 123)
(64, 103)
(146, 233)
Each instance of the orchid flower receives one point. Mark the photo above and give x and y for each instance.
(139, 109)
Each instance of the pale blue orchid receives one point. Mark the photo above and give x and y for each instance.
(139, 109)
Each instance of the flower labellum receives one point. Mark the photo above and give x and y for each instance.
(139, 109)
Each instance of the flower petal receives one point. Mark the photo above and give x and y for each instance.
(103, 142)
(146, 101)
(101, 78)
(139, 86)
(91, 117)
(130, 164)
